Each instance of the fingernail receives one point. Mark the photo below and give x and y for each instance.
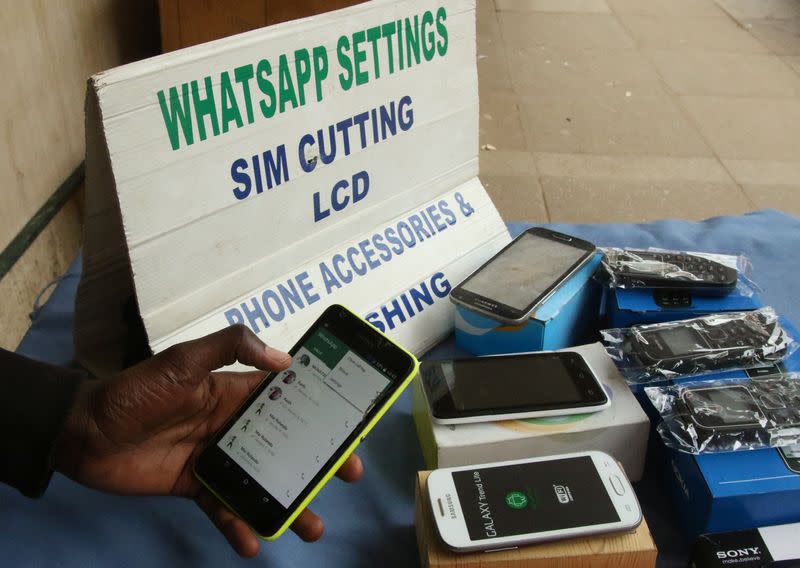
(277, 354)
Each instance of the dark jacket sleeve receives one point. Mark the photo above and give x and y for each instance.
(35, 400)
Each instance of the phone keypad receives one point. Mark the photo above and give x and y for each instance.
(656, 269)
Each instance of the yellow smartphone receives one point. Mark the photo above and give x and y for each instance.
(299, 425)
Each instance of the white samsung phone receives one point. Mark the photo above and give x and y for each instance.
(513, 503)
(511, 387)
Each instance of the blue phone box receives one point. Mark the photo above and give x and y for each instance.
(569, 317)
(631, 306)
(733, 490)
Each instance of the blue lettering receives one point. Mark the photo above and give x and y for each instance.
(338, 260)
(421, 296)
(278, 312)
(437, 219)
(391, 236)
(401, 308)
(360, 186)
(257, 174)
(290, 296)
(337, 203)
(424, 215)
(406, 113)
(385, 251)
(410, 241)
(319, 213)
(238, 176)
(416, 224)
(388, 121)
(440, 285)
(308, 164)
(276, 169)
(328, 157)
(449, 216)
(328, 278)
(360, 269)
(375, 320)
(369, 254)
(307, 288)
(343, 126)
(409, 309)
(254, 315)
(389, 315)
(234, 316)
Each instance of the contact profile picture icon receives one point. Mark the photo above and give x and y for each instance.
(305, 360)
(289, 377)
(275, 393)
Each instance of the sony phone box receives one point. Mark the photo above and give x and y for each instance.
(773, 546)
(260, 178)
(570, 316)
(634, 549)
(620, 430)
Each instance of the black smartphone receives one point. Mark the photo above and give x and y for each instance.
(522, 275)
(510, 387)
(296, 429)
(708, 343)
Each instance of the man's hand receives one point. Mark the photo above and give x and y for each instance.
(140, 431)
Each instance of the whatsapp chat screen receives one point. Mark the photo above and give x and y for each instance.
(296, 424)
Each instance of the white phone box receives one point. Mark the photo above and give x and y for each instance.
(621, 430)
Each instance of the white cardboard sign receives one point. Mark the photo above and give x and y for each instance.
(260, 178)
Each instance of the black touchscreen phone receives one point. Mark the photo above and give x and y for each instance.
(296, 429)
(522, 275)
(506, 387)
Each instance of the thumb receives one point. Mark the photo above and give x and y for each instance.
(232, 344)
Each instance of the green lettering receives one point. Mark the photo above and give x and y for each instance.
(400, 43)
(320, 68)
(243, 75)
(359, 57)
(230, 107)
(302, 70)
(373, 35)
(412, 40)
(342, 47)
(178, 113)
(441, 16)
(387, 31)
(286, 92)
(263, 71)
(428, 38)
(205, 107)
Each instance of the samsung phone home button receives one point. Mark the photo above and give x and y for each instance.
(616, 483)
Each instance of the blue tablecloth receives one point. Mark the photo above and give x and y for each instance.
(368, 523)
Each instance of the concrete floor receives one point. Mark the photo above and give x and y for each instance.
(634, 110)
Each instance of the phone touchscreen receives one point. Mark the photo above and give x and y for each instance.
(285, 437)
(524, 271)
(541, 381)
(533, 497)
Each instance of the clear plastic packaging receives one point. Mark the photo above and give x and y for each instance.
(699, 272)
(717, 342)
(725, 416)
